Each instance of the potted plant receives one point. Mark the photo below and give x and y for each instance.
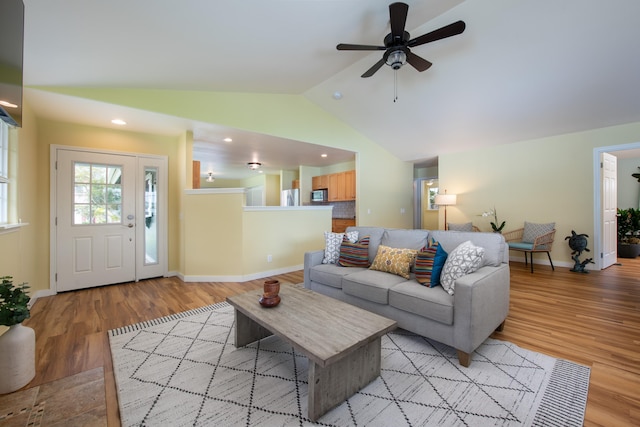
(628, 233)
(18, 344)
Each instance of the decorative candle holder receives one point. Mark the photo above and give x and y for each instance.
(270, 298)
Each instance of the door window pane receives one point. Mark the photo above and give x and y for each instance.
(150, 216)
(97, 194)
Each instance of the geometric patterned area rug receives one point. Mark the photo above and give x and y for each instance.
(184, 370)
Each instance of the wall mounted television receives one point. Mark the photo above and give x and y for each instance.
(11, 52)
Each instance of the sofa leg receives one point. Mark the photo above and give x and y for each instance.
(464, 358)
(500, 327)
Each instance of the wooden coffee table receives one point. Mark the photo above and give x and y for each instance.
(342, 342)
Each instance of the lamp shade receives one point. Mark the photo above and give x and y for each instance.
(445, 199)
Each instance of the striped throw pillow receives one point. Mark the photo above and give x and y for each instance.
(429, 263)
(354, 254)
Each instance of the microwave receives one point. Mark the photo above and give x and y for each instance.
(319, 195)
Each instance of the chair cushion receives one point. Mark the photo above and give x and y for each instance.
(464, 259)
(332, 245)
(467, 226)
(521, 246)
(394, 260)
(533, 230)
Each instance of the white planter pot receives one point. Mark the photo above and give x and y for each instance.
(17, 358)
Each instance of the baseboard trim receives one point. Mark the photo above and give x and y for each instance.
(40, 294)
(239, 278)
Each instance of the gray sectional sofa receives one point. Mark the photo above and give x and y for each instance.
(464, 320)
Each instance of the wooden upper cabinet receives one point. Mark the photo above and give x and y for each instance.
(333, 187)
(341, 185)
(350, 185)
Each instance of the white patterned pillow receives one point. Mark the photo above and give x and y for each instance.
(332, 245)
(532, 230)
(463, 260)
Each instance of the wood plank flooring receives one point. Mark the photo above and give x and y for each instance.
(592, 319)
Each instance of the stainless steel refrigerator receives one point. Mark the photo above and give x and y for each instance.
(290, 198)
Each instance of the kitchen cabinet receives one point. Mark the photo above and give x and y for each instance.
(339, 225)
(341, 186)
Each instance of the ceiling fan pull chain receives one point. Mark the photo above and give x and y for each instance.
(395, 85)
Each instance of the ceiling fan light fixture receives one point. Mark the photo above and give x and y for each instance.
(397, 59)
(254, 165)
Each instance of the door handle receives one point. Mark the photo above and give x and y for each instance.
(130, 225)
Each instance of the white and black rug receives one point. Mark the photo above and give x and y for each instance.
(184, 370)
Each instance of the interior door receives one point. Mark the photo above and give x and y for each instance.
(95, 219)
(609, 191)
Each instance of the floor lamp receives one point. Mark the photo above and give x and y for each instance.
(445, 200)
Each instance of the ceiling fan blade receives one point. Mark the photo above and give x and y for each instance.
(346, 46)
(371, 71)
(398, 18)
(417, 62)
(441, 33)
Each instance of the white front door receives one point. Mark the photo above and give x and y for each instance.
(95, 219)
(609, 191)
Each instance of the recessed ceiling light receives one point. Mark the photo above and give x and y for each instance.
(119, 122)
(337, 95)
(228, 140)
(323, 155)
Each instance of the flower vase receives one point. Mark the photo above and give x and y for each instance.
(17, 358)
(270, 298)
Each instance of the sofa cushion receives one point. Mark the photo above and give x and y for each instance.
(332, 242)
(495, 248)
(429, 263)
(432, 303)
(463, 260)
(394, 260)
(375, 237)
(331, 274)
(533, 230)
(370, 285)
(400, 238)
(354, 254)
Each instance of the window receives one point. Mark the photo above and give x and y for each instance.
(97, 194)
(4, 171)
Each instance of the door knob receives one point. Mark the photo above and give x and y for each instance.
(130, 225)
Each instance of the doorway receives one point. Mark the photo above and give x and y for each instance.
(109, 221)
(602, 232)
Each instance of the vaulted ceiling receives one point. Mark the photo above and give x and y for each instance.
(521, 70)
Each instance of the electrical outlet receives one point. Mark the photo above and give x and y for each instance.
(269, 258)
(402, 211)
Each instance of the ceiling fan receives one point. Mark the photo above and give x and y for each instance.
(397, 43)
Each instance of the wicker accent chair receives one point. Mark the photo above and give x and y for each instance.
(523, 240)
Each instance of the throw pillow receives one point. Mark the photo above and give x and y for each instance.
(532, 230)
(467, 226)
(463, 260)
(332, 245)
(394, 260)
(354, 254)
(429, 263)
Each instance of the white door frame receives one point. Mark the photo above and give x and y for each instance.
(597, 200)
(162, 206)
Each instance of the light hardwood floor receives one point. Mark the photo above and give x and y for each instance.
(592, 319)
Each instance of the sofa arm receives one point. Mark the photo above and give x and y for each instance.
(481, 304)
(311, 259)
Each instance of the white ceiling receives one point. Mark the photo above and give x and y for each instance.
(521, 70)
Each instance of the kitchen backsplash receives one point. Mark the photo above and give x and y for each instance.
(344, 209)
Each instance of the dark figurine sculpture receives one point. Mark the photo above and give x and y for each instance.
(578, 244)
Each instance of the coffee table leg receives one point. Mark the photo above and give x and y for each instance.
(248, 331)
(335, 383)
